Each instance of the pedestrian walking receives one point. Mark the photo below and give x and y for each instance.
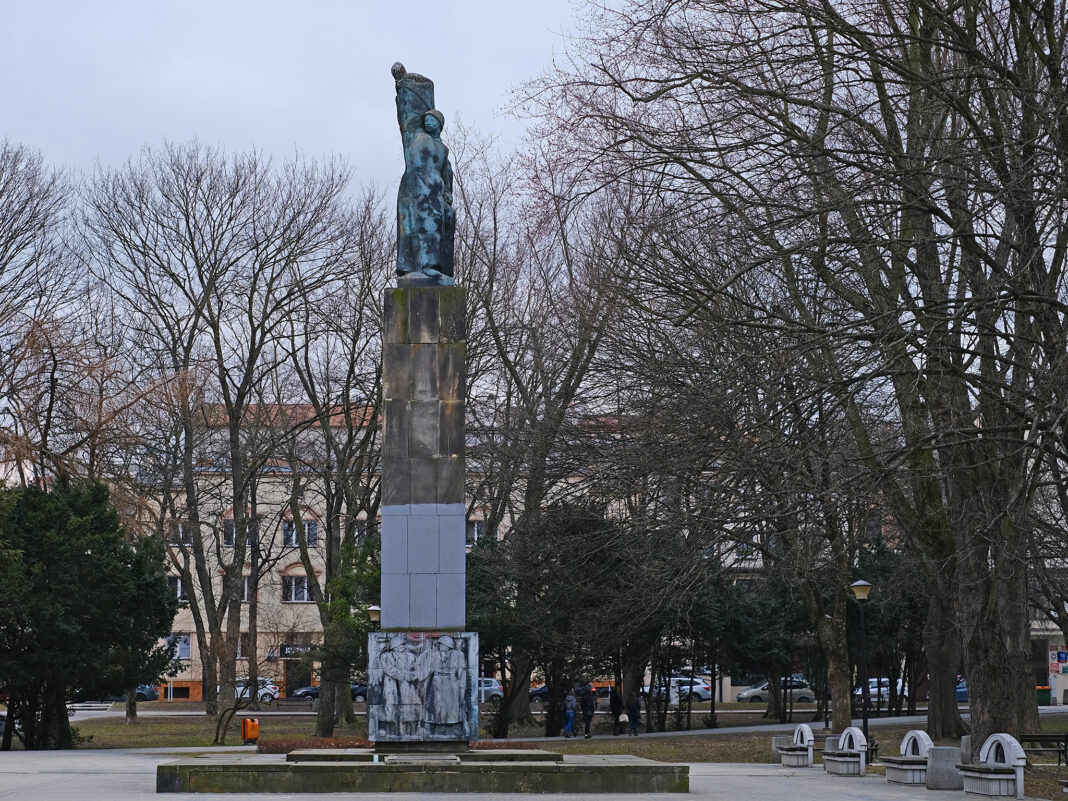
(569, 713)
(615, 704)
(589, 706)
(634, 712)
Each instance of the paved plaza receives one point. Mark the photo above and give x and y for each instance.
(130, 775)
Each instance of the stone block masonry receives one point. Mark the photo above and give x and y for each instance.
(423, 521)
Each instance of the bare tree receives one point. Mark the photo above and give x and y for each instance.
(210, 254)
(886, 158)
(538, 313)
(333, 347)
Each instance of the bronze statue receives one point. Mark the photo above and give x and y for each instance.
(426, 221)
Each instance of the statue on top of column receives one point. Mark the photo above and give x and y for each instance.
(426, 221)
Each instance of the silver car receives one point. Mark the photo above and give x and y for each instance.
(759, 693)
(489, 690)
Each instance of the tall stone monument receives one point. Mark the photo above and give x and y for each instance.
(423, 666)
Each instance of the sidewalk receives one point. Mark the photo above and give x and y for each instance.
(130, 775)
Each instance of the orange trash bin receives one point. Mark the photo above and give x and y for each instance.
(250, 730)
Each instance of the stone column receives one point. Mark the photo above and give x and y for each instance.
(423, 667)
(423, 524)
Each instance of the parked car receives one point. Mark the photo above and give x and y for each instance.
(759, 693)
(359, 692)
(268, 690)
(879, 690)
(489, 690)
(540, 694)
(145, 692)
(684, 688)
(962, 691)
(695, 688)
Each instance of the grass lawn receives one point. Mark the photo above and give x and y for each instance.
(186, 731)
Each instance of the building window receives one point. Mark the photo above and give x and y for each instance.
(243, 646)
(475, 529)
(181, 643)
(178, 587)
(295, 589)
(289, 533)
(179, 533)
(228, 538)
(245, 589)
(365, 529)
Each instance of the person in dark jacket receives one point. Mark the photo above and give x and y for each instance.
(615, 704)
(569, 713)
(589, 706)
(634, 712)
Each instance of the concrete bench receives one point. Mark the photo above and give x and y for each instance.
(850, 758)
(999, 771)
(799, 753)
(294, 701)
(911, 766)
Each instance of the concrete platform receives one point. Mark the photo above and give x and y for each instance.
(130, 775)
(274, 774)
(477, 755)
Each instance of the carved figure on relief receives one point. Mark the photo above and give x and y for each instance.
(405, 666)
(448, 681)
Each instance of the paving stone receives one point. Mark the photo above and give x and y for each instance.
(449, 479)
(423, 428)
(396, 481)
(452, 541)
(395, 315)
(452, 314)
(422, 544)
(423, 314)
(422, 601)
(394, 544)
(423, 481)
(451, 438)
(395, 417)
(451, 370)
(397, 371)
(450, 601)
(395, 594)
(425, 372)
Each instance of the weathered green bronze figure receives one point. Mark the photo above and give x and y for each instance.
(426, 221)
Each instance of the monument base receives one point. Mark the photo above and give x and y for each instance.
(575, 774)
(423, 747)
(422, 690)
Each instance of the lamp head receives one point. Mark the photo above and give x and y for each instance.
(860, 589)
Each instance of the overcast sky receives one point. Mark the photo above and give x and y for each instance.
(82, 80)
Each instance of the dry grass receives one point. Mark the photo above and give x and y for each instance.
(186, 731)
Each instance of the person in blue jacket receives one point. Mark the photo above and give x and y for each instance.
(570, 705)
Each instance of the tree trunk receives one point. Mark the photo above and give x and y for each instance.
(131, 706)
(515, 706)
(941, 641)
(994, 618)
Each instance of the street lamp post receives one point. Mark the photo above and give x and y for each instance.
(860, 591)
